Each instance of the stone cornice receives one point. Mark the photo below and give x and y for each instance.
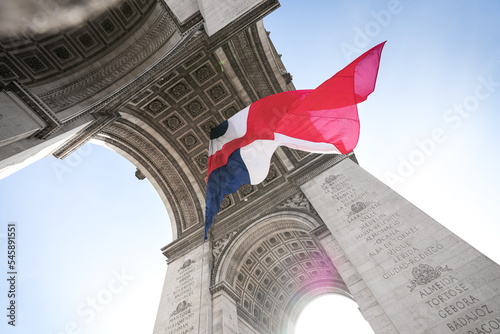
(188, 23)
(320, 232)
(223, 286)
(317, 166)
(241, 23)
(182, 246)
(83, 136)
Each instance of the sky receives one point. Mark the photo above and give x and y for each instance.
(90, 232)
(430, 129)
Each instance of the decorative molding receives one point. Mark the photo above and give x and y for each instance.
(218, 246)
(273, 266)
(249, 241)
(254, 30)
(181, 195)
(250, 63)
(322, 163)
(223, 286)
(424, 274)
(320, 232)
(182, 306)
(196, 18)
(155, 96)
(81, 89)
(85, 135)
(238, 25)
(262, 203)
(120, 97)
(298, 201)
(43, 58)
(184, 245)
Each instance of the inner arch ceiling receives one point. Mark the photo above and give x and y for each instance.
(276, 268)
(161, 120)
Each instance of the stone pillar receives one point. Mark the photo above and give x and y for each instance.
(424, 278)
(362, 295)
(186, 302)
(225, 316)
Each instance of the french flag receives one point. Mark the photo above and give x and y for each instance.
(323, 120)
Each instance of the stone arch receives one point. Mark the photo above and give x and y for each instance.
(158, 161)
(275, 268)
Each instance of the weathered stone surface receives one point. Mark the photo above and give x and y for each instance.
(185, 301)
(424, 277)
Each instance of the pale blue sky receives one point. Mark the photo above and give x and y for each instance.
(83, 222)
(435, 55)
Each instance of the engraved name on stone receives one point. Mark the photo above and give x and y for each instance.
(389, 238)
(181, 319)
(185, 281)
(379, 230)
(450, 299)
(414, 258)
(340, 189)
(384, 233)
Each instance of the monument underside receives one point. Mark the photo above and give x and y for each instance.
(149, 79)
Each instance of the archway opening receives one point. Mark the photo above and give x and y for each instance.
(88, 244)
(332, 313)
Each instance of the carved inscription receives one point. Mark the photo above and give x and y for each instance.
(454, 301)
(383, 232)
(456, 304)
(339, 187)
(424, 274)
(450, 299)
(181, 320)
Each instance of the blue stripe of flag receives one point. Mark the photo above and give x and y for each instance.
(222, 181)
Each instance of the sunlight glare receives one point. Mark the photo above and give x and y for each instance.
(332, 314)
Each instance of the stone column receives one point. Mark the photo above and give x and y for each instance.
(186, 303)
(424, 278)
(225, 316)
(362, 295)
